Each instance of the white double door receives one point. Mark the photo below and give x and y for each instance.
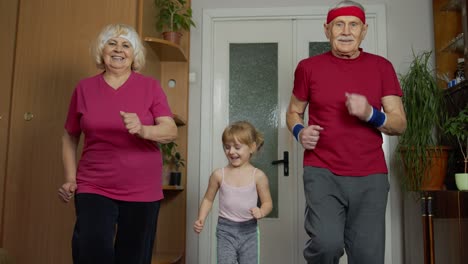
(282, 235)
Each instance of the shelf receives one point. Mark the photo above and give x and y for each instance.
(456, 98)
(166, 258)
(452, 5)
(166, 50)
(456, 45)
(179, 120)
(455, 89)
(173, 188)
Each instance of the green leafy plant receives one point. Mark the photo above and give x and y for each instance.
(173, 15)
(424, 107)
(172, 157)
(457, 127)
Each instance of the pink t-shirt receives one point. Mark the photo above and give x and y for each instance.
(115, 163)
(347, 145)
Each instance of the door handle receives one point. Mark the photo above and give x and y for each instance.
(285, 162)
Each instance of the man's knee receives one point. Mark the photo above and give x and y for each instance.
(323, 250)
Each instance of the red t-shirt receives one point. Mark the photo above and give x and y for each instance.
(347, 145)
(115, 163)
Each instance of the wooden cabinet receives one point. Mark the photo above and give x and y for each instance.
(170, 64)
(450, 36)
(436, 227)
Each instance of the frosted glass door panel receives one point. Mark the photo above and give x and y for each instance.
(253, 96)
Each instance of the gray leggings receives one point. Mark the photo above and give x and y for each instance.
(344, 213)
(237, 242)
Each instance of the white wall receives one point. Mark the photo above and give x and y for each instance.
(409, 26)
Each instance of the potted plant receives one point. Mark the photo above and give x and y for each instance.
(423, 161)
(173, 17)
(174, 161)
(457, 127)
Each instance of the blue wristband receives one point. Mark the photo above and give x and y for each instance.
(377, 118)
(296, 129)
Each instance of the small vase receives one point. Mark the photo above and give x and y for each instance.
(461, 179)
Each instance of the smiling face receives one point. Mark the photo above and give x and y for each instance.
(237, 153)
(345, 34)
(118, 54)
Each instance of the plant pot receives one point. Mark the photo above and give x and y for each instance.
(172, 36)
(461, 179)
(175, 178)
(435, 174)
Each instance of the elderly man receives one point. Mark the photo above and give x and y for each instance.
(353, 97)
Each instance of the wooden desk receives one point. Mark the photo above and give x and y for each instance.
(445, 205)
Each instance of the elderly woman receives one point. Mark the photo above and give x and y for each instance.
(117, 181)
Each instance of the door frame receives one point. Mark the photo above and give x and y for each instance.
(206, 251)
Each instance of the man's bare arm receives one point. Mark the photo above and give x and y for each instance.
(396, 118)
(295, 113)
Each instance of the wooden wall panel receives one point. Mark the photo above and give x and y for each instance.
(178, 95)
(8, 16)
(52, 54)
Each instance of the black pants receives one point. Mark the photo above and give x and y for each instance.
(109, 231)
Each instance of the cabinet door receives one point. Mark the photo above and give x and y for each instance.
(52, 54)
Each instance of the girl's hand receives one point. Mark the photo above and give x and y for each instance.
(67, 191)
(132, 123)
(256, 213)
(198, 226)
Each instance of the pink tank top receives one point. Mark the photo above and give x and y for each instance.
(235, 202)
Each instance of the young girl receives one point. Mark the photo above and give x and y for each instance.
(239, 184)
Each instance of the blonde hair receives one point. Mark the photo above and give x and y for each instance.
(125, 31)
(244, 132)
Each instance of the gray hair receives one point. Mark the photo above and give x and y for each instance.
(346, 3)
(127, 32)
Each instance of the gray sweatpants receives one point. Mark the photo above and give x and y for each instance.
(344, 212)
(237, 242)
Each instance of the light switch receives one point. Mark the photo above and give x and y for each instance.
(192, 77)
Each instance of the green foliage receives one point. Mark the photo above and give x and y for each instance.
(425, 112)
(457, 127)
(173, 15)
(171, 156)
